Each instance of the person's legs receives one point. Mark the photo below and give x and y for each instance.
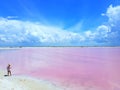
(9, 73)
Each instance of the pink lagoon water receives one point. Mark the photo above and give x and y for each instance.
(72, 67)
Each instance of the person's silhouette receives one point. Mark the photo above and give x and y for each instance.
(9, 70)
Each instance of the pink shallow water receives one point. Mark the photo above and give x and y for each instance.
(87, 66)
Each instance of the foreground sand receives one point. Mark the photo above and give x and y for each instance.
(21, 82)
(25, 83)
(16, 82)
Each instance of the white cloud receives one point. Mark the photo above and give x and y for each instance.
(17, 31)
(109, 32)
(103, 30)
(113, 14)
(24, 31)
(11, 17)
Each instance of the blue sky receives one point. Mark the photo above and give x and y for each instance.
(59, 22)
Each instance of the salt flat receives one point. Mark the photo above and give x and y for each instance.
(25, 83)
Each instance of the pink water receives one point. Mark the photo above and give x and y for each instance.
(77, 66)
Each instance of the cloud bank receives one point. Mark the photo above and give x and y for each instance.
(15, 32)
(107, 34)
(18, 32)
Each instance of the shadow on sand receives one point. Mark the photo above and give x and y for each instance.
(6, 75)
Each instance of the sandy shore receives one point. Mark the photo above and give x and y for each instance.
(21, 82)
(25, 83)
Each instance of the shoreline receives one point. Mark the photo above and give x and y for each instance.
(22, 82)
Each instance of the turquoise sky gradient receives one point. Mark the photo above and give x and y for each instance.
(59, 23)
